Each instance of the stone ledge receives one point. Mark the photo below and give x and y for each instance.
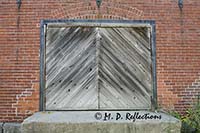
(1, 127)
(10, 128)
(101, 122)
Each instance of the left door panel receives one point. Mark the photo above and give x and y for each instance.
(71, 68)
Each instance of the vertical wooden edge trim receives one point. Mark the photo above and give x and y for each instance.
(97, 41)
(42, 78)
(153, 43)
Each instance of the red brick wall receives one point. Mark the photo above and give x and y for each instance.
(177, 39)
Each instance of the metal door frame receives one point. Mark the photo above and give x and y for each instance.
(96, 23)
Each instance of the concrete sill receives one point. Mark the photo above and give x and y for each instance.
(101, 122)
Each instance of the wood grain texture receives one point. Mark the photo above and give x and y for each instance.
(98, 68)
(70, 69)
(125, 69)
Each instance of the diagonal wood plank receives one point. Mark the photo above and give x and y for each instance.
(125, 69)
(98, 68)
(70, 69)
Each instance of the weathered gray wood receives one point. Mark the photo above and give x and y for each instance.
(98, 68)
(125, 69)
(70, 69)
(99, 24)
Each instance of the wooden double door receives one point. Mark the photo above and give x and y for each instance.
(98, 68)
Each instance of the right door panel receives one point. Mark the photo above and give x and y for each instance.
(125, 80)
